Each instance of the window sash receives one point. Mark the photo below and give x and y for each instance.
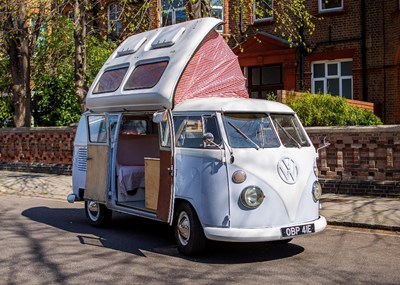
(336, 6)
(324, 84)
(260, 5)
(114, 19)
(170, 9)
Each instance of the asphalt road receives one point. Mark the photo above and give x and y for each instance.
(45, 241)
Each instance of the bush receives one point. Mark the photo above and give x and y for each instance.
(6, 119)
(327, 110)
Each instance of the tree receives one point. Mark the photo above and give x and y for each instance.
(20, 22)
(80, 35)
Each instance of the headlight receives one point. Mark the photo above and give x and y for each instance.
(239, 176)
(316, 191)
(252, 197)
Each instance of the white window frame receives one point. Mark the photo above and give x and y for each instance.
(327, 77)
(173, 12)
(110, 21)
(321, 10)
(262, 19)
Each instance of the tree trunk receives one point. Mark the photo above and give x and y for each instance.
(80, 52)
(20, 64)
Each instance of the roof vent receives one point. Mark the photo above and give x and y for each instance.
(167, 38)
(129, 49)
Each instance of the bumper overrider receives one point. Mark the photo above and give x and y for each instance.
(265, 234)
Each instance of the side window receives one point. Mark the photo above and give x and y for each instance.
(146, 75)
(188, 131)
(110, 80)
(97, 129)
(133, 126)
(211, 126)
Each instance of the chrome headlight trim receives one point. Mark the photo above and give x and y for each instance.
(316, 191)
(252, 197)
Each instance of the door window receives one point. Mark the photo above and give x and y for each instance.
(97, 129)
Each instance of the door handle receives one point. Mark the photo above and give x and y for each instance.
(89, 158)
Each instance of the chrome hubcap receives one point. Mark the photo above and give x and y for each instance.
(93, 210)
(183, 228)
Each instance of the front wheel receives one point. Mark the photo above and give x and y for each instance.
(97, 214)
(189, 234)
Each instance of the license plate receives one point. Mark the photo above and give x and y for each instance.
(297, 230)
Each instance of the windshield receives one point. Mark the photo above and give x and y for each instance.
(289, 130)
(250, 131)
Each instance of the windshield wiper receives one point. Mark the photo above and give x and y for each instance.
(244, 135)
(287, 134)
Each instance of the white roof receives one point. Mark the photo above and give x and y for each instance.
(232, 105)
(175, 44)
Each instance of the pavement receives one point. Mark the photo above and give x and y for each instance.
(343, 210)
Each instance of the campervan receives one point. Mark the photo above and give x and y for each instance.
(170, 134)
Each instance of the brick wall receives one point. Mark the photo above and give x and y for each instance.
(37, 149)
(360, 160)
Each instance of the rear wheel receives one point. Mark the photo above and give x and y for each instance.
(189, 234)
(97, 214)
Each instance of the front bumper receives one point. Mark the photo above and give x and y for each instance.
(256, 235)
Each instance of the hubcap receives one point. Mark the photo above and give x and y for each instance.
(93, 210)
(183, 228)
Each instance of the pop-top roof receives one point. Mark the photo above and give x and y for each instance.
(147, 70)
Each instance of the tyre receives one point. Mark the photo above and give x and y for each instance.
(97, 214)
(189, 234)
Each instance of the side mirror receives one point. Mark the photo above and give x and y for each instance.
(160, 116)
(326, 143)
(208, 138)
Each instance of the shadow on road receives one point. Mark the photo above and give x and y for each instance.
(139, 236)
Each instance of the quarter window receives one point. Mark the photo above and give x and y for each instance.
(330, 5)
(263, 10)
(333, 77)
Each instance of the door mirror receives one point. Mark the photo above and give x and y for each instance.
(161, 116)
(208, 138)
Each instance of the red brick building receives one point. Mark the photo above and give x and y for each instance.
(354, 51)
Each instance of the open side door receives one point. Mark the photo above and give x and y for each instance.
(165, 205)
(98, 155)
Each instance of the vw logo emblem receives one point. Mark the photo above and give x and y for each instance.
(287, 170)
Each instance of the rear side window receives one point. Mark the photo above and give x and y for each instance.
(110, 80)
(146, 75)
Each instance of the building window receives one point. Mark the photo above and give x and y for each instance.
(263, 10)
(330, 5)
(333, 77)
(114, 21)
(172, 12)
(264, 81)
(217, 11)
